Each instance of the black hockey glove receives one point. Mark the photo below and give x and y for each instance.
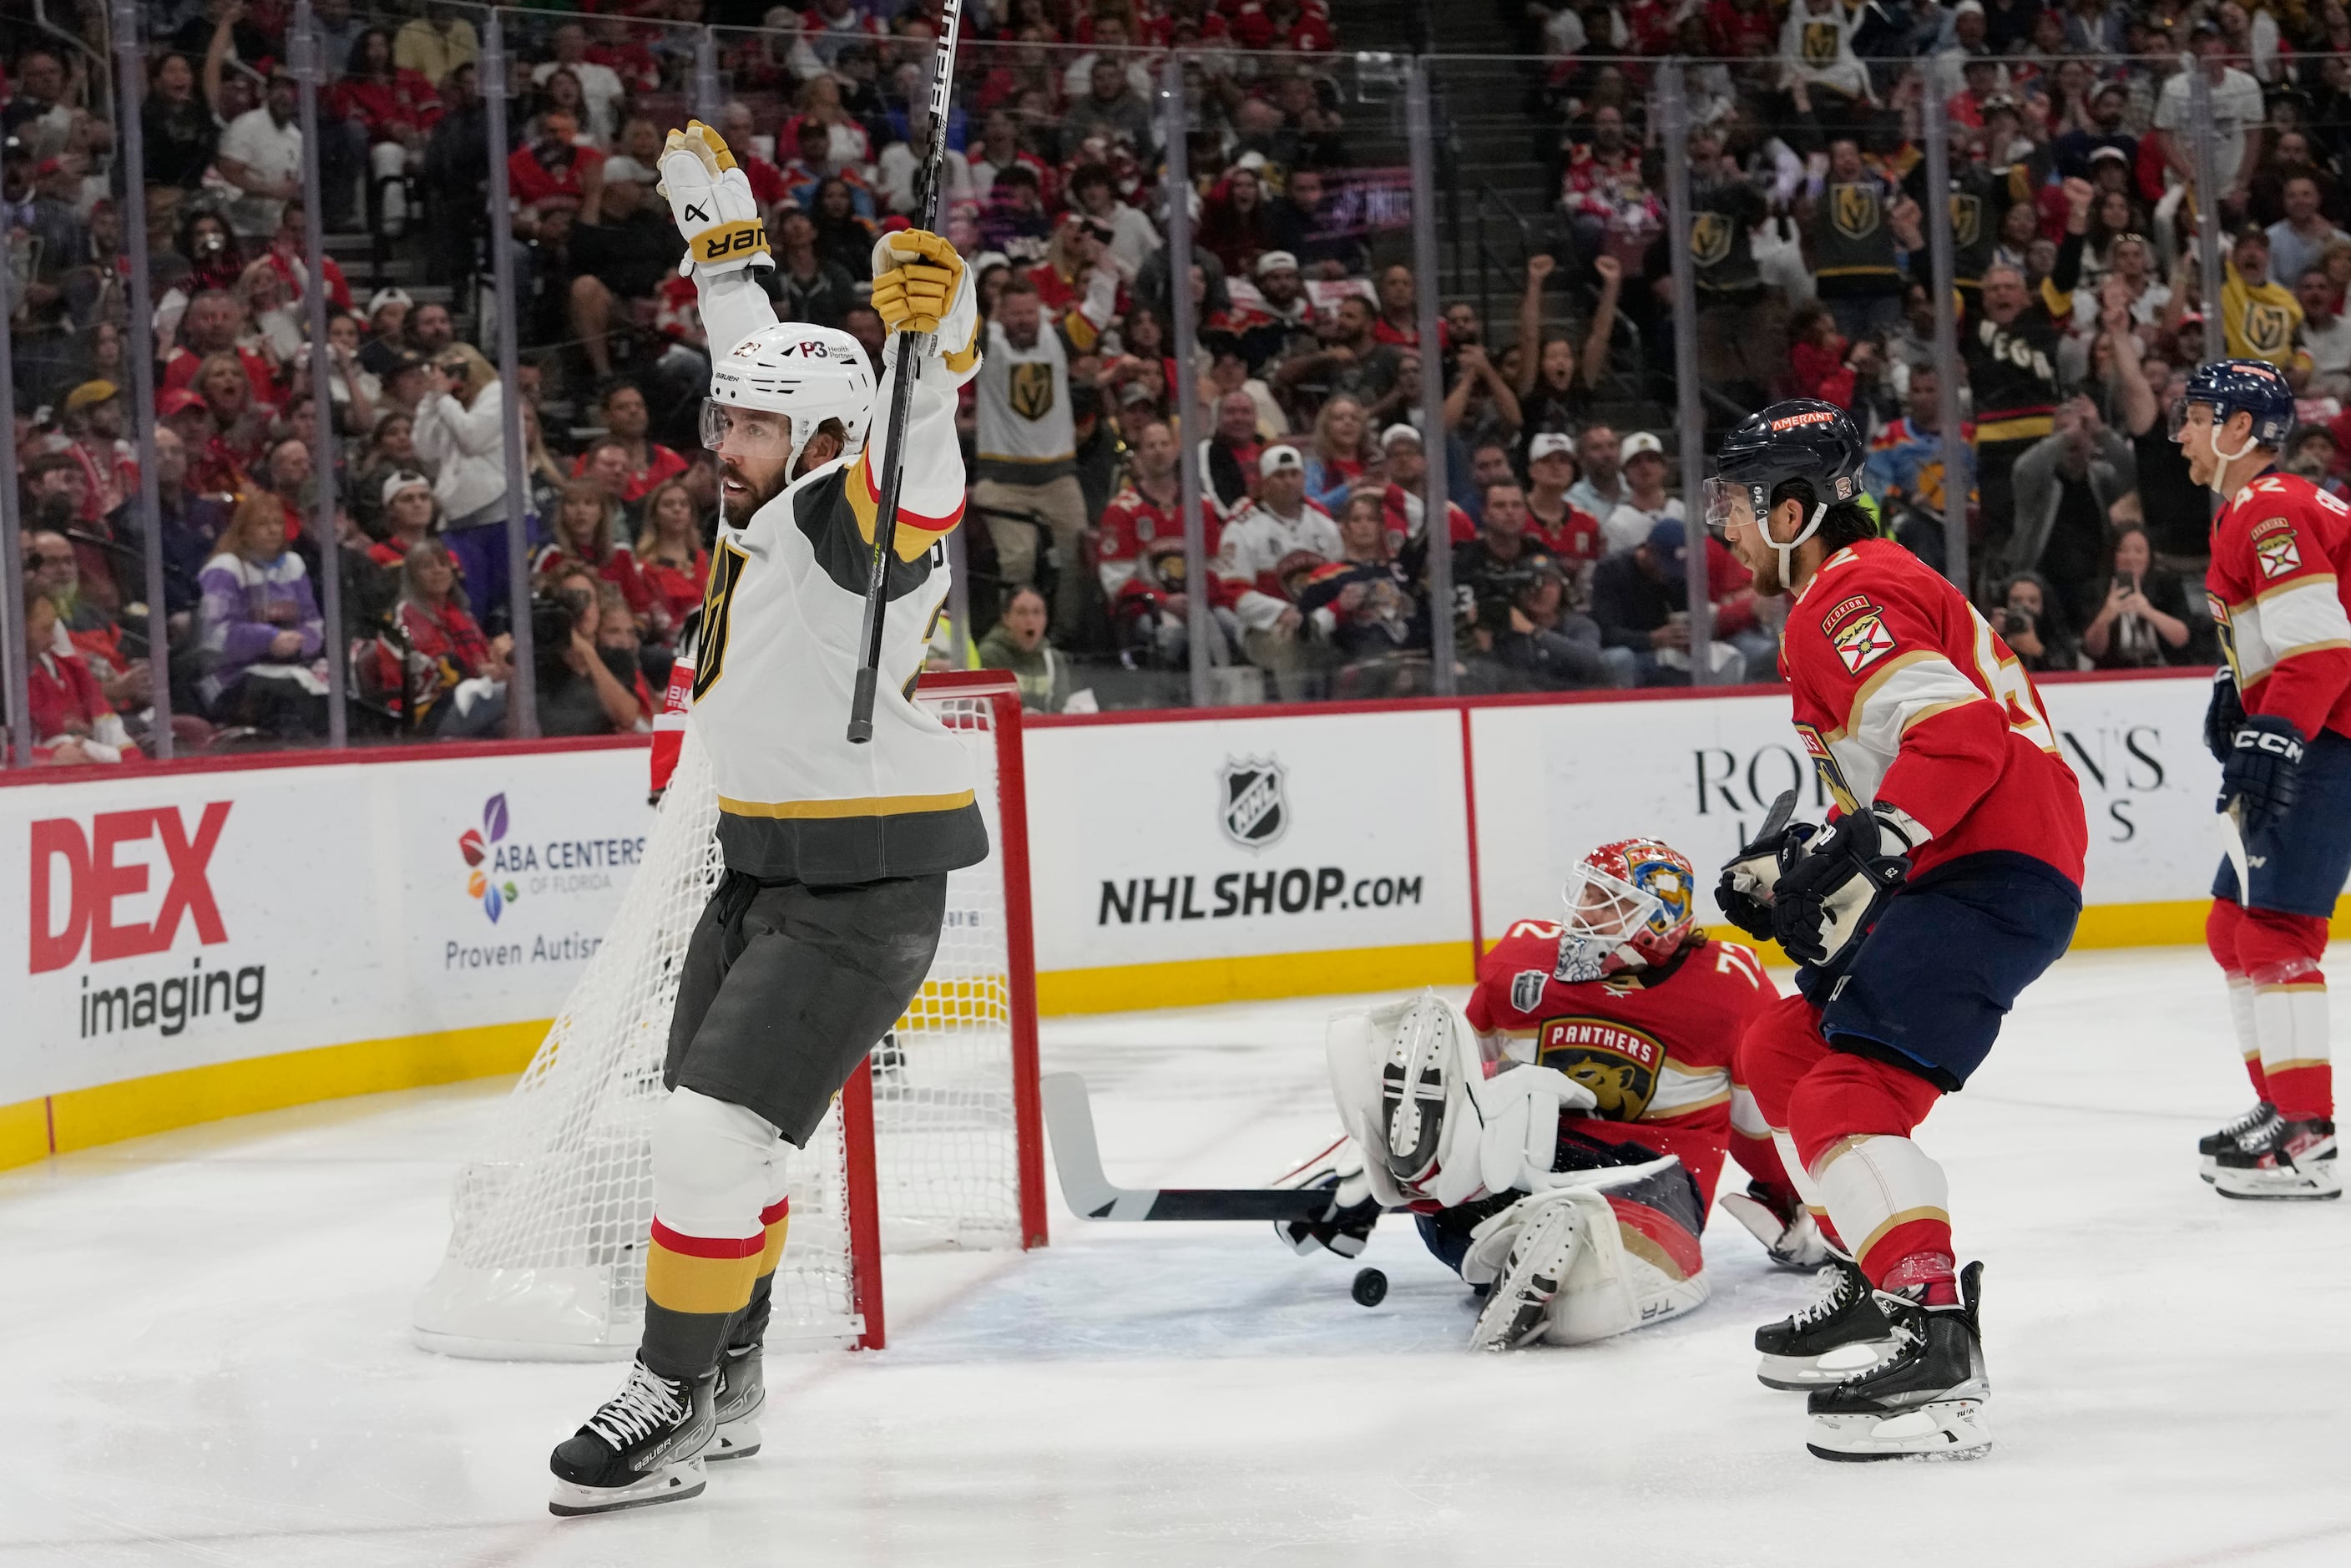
(2262, 774)
(1829, 899)
(1345, 1227)
(1744, 894)
(2222, 715)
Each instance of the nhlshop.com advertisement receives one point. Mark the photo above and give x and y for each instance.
(152, 924)
(1157, 843)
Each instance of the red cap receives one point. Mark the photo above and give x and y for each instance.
(178, 401)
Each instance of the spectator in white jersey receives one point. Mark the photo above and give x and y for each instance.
(1281, 524)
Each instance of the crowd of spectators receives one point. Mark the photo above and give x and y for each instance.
(2074, 218)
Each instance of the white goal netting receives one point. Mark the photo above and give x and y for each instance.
(546, 1251)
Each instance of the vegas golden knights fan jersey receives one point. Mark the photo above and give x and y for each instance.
(779, 655)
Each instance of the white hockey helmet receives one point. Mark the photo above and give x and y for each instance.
(808, 374)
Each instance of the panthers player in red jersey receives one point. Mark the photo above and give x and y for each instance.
(1583, 1216)
(1949, 878)
(2279, 724)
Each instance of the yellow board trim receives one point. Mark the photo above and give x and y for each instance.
(862, 806)
(1196, 982)
(110, 1113)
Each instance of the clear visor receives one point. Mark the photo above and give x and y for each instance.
(1728, 502)
(1605, 907)
(749, 433)
(2184, 414)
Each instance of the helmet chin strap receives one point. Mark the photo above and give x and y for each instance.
(2226, 461)
(1788, 551)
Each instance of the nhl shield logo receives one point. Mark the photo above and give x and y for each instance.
(1032, 389)
(1252, 808)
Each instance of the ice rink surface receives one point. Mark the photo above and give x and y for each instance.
(205, 1355)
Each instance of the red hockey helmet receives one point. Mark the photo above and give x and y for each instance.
(1629, 906)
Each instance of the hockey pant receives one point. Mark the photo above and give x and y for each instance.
(1842, 1124)
(2277, 999)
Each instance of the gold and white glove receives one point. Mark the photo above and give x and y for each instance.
(711, 200)
(921, 285)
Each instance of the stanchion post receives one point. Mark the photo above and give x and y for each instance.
(1186, 326)
(1673, 106)
(139, 355)
(1434, 437)
(1937, 135)
(522, 686)
(302, 57)
(14, 662)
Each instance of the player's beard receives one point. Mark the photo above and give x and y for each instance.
(755, 495)
(1768, 580)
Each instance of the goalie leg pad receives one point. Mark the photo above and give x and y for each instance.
(1616, 1251)
(711, 1178)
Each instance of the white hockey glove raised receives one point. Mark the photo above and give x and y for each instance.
(1828, 900)
(921, 285)
(711, 200)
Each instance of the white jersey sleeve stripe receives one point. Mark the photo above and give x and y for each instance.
(2304, 618)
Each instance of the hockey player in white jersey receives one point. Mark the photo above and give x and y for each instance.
(837, 856)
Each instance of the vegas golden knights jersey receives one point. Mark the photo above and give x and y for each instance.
(779, 650)
(1853, 240)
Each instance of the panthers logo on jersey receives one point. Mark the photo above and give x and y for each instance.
(1618, 1063)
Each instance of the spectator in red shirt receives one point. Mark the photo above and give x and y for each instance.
(736, 124)
(72, 722)
(1557, 524)
(670, 556)
(551, 166)
(1234, 221)
(241, 417)
(210, 327)
(389, 109)
(1825, 365)
(446, 644)
(1399, 318)
(410, 513)
(585, 521)
(1148, 508)
(649, 463)
(214, 469)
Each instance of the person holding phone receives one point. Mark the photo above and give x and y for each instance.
(2145, 620)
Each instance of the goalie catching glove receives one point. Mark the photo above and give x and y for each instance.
(1829, 897)
(921, 285)
(711, 200)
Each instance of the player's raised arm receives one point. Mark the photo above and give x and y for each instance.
(920, 287)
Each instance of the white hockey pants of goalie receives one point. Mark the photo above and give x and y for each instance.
(1569, 1236)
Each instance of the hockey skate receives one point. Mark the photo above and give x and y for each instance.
(2254, 1125)
(2289, 1160)
(643, 1447)
(736, 1404)
(1927, 1400)
(1517, 1308)
(1788, 1232)
(1842, 1333)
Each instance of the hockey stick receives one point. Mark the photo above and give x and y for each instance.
(1069, 1120)
(910, 355)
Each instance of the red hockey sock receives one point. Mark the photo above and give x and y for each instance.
(2288, 1005)
(2222, 928)
(1934, 1270)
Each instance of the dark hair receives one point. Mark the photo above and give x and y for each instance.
(1846, 522)
(1018, 283)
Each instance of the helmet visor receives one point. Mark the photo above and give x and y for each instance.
(2183, 415)
(1728, 502)
(748, 433)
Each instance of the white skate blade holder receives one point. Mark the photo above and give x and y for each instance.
(737, 1439)
(2318, 1180)
(671, 1483)
(1941, 1429)
(1804, 1371)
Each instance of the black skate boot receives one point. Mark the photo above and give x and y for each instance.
(736, 1405)
(1925, 1401)
(2291, 1159)
(1786, 1229)
(643, 1447)
(1842, 1333)
(2255, 1123)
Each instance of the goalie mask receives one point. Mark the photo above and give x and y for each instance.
(808, 374)
(1629, 907)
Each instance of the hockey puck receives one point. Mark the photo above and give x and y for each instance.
(1369, 1288)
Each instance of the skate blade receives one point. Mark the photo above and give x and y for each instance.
(1798, 1374)
(1944, 1430)
(672, 1483)
(2271, 1190)
(737, 1439)
(2208, 1167)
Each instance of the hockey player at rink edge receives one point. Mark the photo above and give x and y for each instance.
(1947, 879)
(2279, 725)
(1558, 1139)
(828, 915)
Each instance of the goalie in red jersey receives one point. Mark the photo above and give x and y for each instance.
(1558, 1139)
(1948, 880)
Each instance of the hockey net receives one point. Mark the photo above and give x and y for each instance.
(935, 1142)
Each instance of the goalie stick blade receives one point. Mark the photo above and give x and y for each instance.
(1070, 1122)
